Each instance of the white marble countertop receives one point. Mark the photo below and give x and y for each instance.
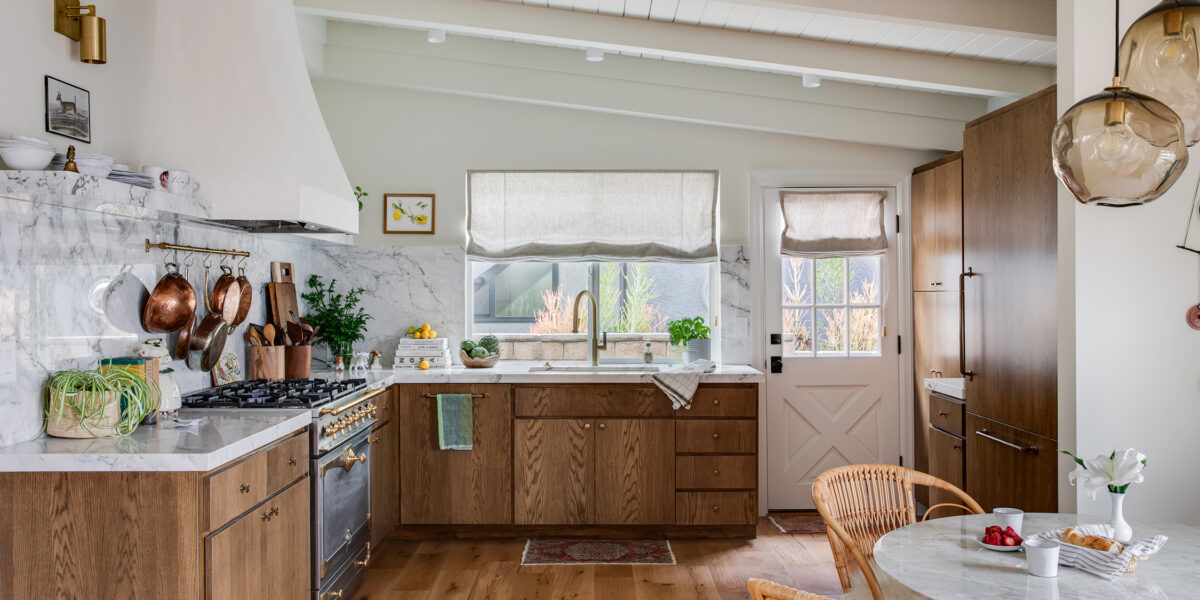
(512, 371)
(955, 387)
(221, 436)
(939, 559)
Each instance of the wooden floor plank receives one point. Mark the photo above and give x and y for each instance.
(704, 570)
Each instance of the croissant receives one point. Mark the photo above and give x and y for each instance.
(1073, 537)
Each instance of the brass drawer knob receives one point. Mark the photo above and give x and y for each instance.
(716, 436)
(603, 426)
(942, 413)
(716, 508)
(587, 425)
(716, 472)
(292, 461)
(957, 446)
(245, 488)
(716, 402)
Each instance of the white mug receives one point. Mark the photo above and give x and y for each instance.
(159, 175)
(181, 182)
(1009, 517)
(1041, 557)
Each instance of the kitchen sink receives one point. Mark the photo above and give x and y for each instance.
(597, 369)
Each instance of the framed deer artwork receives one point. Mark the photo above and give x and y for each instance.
(68, 110)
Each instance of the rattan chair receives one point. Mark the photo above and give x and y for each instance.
(761, 589)
(860, 503)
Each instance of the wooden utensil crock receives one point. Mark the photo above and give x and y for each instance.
(297, 361)
(265, 363)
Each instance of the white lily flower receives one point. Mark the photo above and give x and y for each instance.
(1115, 471)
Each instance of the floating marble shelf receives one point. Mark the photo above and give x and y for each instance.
(74, 190)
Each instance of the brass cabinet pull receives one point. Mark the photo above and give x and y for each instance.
(716, 402)
(366, 559)
(716, 436)
(936, 283)
(983, 433)
(266, 516)
(602, 426)
(337, 594)
(957, 446)
(374, 440)
(716, 508)
(274, 511)
(587, 425)
(716, 472)
(245, 489)
(942, 413)
(962, 323)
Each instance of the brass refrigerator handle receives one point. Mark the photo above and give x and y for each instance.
(962, 323)
(341, 409)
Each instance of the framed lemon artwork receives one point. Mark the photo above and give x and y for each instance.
(408, 213)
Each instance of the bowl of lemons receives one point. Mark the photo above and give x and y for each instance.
(480, 355)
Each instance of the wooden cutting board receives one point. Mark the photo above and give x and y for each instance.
(283, 302)
(281, 272)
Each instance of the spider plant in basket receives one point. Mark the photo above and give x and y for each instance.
(95, 403)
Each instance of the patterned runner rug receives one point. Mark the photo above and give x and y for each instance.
(597, 552)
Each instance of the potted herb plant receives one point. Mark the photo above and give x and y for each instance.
(89, 404)
(693, 333)
(341, 319)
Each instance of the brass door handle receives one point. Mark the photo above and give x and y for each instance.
(341, 409)
(962, 323)
(349, 459)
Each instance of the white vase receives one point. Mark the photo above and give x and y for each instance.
(1122, 532)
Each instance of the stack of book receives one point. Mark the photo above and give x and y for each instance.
(410, 352)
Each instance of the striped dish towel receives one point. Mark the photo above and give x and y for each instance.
(680, 384)
(1097, 562)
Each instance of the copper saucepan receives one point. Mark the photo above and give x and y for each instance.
(225, 294)
(171, 304)
(244, 299)
(208, 340)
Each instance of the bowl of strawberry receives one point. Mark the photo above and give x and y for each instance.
(1000, 540)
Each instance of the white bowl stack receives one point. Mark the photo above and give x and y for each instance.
(96, 165)
(26, 154)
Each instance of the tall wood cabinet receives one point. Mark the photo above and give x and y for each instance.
(1010, 319)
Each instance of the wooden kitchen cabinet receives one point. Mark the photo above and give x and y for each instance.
(635, 471)
(456, 487)
(264, 553)
(937, 235)
(554, 465)
(935, 355)
(946, 461)
(233, 557)
(1007, 466)
(385, 470)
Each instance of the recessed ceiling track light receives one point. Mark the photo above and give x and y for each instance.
(436, 36)
(594, 55)
(810, 80)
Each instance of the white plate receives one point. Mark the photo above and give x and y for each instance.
(1016, 548)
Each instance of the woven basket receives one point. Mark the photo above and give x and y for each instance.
(68, 425)
(478, 363)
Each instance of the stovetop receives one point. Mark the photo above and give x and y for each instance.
(289, 393)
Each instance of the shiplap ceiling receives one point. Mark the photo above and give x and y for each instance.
(858, 30)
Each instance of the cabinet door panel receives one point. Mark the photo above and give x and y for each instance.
(635, 471)
(286, 542)
(1001, 475)
(945, 462)
(385, 493)
(947, 214)
(554, 461)
(922, 208)
(234, 563)
(452, 487)
(1010, 214)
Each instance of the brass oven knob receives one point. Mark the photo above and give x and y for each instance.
(330, 430)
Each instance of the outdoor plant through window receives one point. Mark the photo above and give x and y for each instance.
(633, 297)
(832, 306)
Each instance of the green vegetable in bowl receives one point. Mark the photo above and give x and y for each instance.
(479, 352)
(491, 342)
(467, 346)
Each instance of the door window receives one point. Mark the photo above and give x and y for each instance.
(832, 306)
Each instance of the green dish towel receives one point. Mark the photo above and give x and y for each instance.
(456, 422)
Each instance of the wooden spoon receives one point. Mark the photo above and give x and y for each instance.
(296, 333)
(268, 332)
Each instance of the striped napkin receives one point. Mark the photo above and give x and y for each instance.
(680, 384)
(1097, 562)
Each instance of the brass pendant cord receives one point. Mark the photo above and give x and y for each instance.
(1117, 41)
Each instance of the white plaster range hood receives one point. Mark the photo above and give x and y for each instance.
(230, 101)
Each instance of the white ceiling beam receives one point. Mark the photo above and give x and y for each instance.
(635, 98)
(683, 42)
(1033, 19)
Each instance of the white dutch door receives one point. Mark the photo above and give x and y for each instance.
(836, 401)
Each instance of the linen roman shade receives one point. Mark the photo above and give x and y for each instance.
(575, 216)
(832, 224)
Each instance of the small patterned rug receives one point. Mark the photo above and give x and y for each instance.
(799, 523)
(597, 552)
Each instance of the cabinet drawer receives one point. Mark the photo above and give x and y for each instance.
(715, 472)
(604, 401)
(234, 490)
(716, 437)
(1007, 466)
(287, 462)
(946, 413)
(715, 508)
(722, 402)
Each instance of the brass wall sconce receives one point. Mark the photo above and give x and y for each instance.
(81, 24)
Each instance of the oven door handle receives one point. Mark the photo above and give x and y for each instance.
(347, 461)
(345, 407)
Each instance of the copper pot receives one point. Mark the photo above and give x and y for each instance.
(225, 293)
(185, 338)
(171, 304)
(207, 342)
(244, 298)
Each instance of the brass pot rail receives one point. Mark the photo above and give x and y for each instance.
(345, 407)
(434, 396)
(166, 246)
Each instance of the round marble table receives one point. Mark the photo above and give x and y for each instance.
(939, 559)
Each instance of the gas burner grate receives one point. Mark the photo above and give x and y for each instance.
(290, 393)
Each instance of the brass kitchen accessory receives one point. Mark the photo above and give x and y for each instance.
(80, 23)
(245, 298)
(171, 304)
(70, 165)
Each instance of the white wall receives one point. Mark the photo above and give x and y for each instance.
(402, 141)
(1137, 361)
(30, 50)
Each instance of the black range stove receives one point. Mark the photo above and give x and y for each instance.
(288, 393)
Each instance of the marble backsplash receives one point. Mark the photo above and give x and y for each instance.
(55, 263)
(736, 301)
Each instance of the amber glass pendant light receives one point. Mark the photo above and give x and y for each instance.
(1159, 57)
(1119, 147)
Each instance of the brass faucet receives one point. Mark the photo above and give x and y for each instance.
(594, 346)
